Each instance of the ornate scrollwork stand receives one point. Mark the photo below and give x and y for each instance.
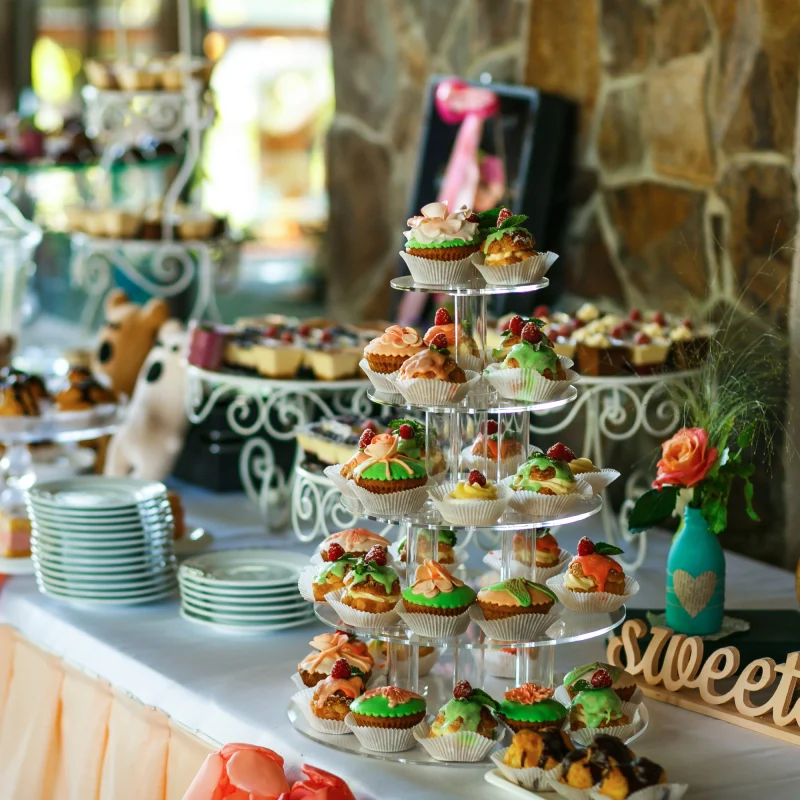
(615, 409)
(277, 408)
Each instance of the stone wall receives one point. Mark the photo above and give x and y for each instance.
(384, 52)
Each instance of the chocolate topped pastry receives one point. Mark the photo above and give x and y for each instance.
(33, 383)
(621, 781)
(544, 749)
(83, 395)
(20, 393)
(579, 770)
(605, 748)
(78, 374)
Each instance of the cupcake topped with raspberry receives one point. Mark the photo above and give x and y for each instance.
(443, 323)
(594, 569)
(440, 235)
(597, 705)
(512, 335)
(468, 710)
(544, 475)
(353, 542)
(535, 352)
(578, 466)
(372, 585)
(386, 353)
(475, 487)
(327, 648)
(508, 242)
(334, 694)
(435, 363)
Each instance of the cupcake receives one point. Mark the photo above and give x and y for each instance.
(388, 352)
(434, 363)
(359, 456)
(593, 569)
(458, 340)
(328, 647)
(597, 705)
(509, 336)
(475, 487)
(584, 467)
(334, 694)
(371, 585)
(435, 591)
(439, 235)
(620, 781)
(331, 575)
(543, 749)
(579, 678)
(544, 475)
(548, 552)
(472, 502)
(388, 707)
(354, 542)
(412, 443)
(584, 767)
(535, 353)
(497, 447)
(386, 470)
(468, 710)
(509, 242)
(446, 541)
(515, 596)
(531, 706)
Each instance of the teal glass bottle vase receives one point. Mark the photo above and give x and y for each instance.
(695, 578)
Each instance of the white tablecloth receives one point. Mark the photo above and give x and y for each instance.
(230, 688)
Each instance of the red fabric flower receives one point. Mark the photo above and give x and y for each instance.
(686, 459)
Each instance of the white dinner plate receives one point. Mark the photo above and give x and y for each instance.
(97, 493)
(104, 573)
(77, 516)
(82, 523)
(244, 608)
(191, 616)
(103, 580)
(246, 618)
(101, 561)
(154, 550)
(254, 568)
(91, 535)
(16, 566)
(94, 543)
(91, 594)
(243, 593)
(150, 583)
(82, 601)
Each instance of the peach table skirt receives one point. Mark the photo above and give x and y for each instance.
(65, 735)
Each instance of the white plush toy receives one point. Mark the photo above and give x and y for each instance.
(150, 439)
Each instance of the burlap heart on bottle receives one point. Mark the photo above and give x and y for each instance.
(693, 593)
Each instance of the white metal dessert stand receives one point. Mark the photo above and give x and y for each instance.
(616, 408)
(278, 408)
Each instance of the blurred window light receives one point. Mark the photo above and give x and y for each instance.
(228, 13)
(137, 13)
(51, 71)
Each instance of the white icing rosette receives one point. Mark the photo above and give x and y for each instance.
(382, 740)
(334, 475)
(519, 570)
(547, 505)
(584, 736)
(527, 385)
(302, 700)
(433, 626)
(431, 272)
(432, 392)
(570, 793)
(356, 618)
(519, 628)
(381, 381)
(592, 602)
(531, 778)
(600, 479)
(531, 270)
(304, 584)
(393, 504)
(469, 513)
(464, 746)
(488, 466)
(663, 791)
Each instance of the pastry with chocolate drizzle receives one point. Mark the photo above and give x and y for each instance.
(21, 393)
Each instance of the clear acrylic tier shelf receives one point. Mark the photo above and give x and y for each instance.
(430, 518)
(64, 426)
(477, 287)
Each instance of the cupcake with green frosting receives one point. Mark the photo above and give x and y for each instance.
(546, 486)
(531, 706)
(331, 575)
(515, 610)
(388, 707)
(597, 705)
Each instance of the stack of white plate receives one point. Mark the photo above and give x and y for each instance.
(244, 591)
(105, 541)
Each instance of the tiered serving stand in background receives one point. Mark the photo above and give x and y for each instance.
(463, 656)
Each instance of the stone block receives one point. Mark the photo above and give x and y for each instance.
(626, 35)
(681, 28)
(619, 137)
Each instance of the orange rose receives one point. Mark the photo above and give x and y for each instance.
(686, 459)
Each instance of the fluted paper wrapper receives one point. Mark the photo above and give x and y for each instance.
(467, 361)
(592, 602)
(469, 513)
(520, 628)
(663, 791)
(303, 701)
(547, 505)
(304, 584)
(298, 681)
(532, 778)
(425, 663)
(497, 663)
(599, 480)
(431, 392)
(562, 789)
(334, 474)
(356, 618)
(531, 270)
(464, 746)
(383, 740)
(527, 385)
(381, 381)
(440, 273)
(519, 570)
(395, 504)
(584, 736)
(434, 626)
(508, 466)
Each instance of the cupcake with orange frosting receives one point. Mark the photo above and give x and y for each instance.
(354, 542)
(327, 648)
(513, 597)
(334, 694)
(387, 353)
(435, 591)
(594, 569)
(435, 364)
(458, 339)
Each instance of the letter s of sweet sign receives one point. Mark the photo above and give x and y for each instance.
(682, 679)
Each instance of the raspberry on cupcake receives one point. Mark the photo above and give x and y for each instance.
(623, 683)
(436, 591)
(597, 705)
(386, 353)
(468, 710)
(535, 352)
(334, 694)
(544, 475)
(354, 542)
(509, 242)
(515, 596)
(386, 469)
(531, 706)
(328, 647)
(593, 569)
(388, 707)
(371, 585)
(443, 323)
(441, 235)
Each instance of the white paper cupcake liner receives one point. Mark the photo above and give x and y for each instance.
(599, 480)
(469, 513)
(562, 789)
(440, 273)
(663, 791)
(427, 392)
(383, 740)
(381, 381)
(434, 626)
(508, 466)
(520, 628)
(425, 663)
(533, 573)
(334, 474)
(497, 663)
(547, 505)
(298, 681)
(592, 602)
(531, 270)
(464, 746)
(356, 618)
(304, 584)
(584, 736)
(468, 362)
(531, 778)
(527, 385)
(302, 700)
(395, 504)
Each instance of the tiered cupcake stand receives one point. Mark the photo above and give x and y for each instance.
(464, 656)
